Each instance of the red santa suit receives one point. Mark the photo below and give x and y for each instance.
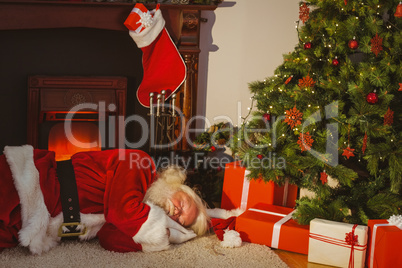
(111, 186)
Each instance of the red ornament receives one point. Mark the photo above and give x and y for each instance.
(335, 62)
(305, 141)
(267, 117)
(219, 169)
(306, 82)
(304, 13)
(398, 12)
(293, 117)
(324, 177)
(307, 45)
(372, 98)
(260, 156)
(389, 117)
(400, 87)
(376, 44)
(348, 152)
(288, 80)
(364, 143)
(353, 44)
(213, 148)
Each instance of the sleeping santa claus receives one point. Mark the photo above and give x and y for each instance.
(122, 201)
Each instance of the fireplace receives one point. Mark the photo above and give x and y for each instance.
(69, 114)
(69, 38)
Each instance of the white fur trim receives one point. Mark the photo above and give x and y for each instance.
(93, 223)
(220, 213)
(148, 35)
(34, 214)
(231, 239)
(153, 233)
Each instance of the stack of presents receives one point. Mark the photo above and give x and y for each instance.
(267, 220)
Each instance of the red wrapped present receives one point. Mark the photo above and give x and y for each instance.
(140, 18)
(273, 226)
(385, 243)
(241, 192)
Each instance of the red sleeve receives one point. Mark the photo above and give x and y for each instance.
(128, 177)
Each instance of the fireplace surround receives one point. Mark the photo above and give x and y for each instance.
(62, 38)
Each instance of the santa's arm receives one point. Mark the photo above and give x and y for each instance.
(125, 190)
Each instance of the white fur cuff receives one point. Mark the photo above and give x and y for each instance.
(153, 234)
(220, 213)
(34, 214)
(147, 36)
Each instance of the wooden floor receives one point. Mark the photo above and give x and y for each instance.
(296, 260)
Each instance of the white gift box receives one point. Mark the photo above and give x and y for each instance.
(337, 244)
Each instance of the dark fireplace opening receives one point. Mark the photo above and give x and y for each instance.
(70, 114)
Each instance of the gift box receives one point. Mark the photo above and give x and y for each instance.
(385, 244)
(139, 18)
(337, 243)
(241, 192)
(274, 227)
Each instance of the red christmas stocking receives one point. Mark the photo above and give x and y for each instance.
(164, 69)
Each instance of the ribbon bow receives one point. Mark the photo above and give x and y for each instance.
(146, 19)
(351, 239)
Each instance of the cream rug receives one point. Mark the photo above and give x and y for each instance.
(199, 252)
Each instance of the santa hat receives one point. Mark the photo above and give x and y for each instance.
(223, 222)
(164, 68)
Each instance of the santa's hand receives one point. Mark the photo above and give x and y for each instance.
(179, 234)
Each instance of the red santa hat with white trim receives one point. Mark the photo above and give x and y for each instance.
(164, 68)
(223, 223)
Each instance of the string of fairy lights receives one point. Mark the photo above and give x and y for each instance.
(327, 44)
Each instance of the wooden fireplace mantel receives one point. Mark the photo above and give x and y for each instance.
(182, 22)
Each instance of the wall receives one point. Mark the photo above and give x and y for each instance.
(248, 40)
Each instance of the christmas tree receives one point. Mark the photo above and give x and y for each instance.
(332, 110)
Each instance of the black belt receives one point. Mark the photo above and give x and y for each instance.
(71, 227)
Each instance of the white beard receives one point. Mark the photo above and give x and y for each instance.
(160, 193)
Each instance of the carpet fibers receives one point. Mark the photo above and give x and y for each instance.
(200, 252)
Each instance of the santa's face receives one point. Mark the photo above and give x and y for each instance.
(185, 210)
